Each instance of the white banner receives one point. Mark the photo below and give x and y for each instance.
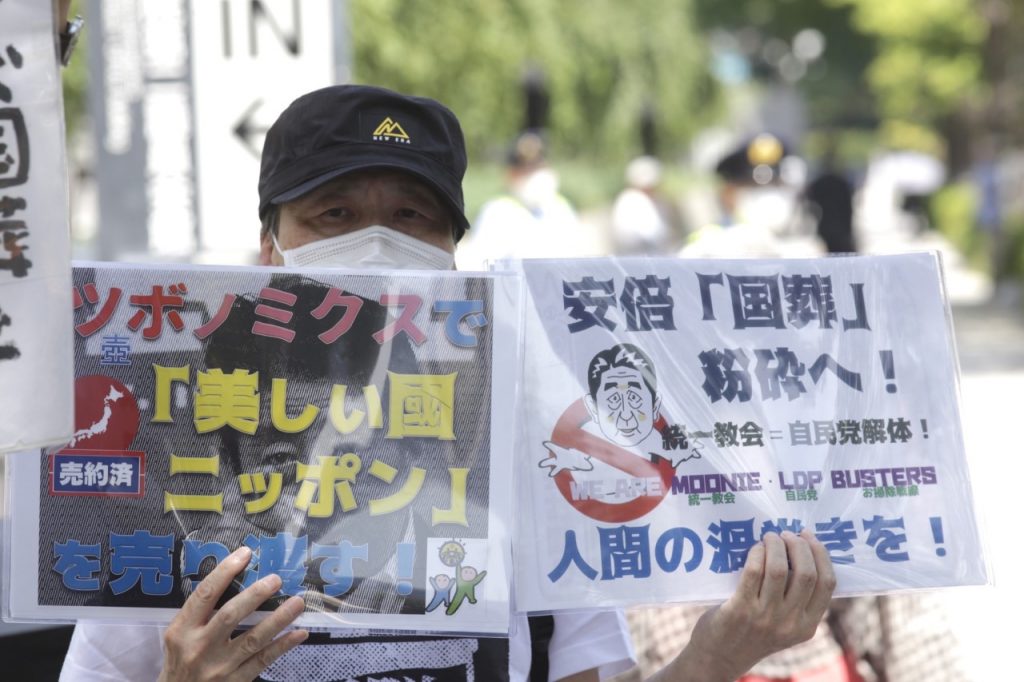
(676, 410)
(35, 274)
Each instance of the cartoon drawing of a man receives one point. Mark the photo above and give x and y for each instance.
(466, 580)
(623, 404)
(623, 399)
(442, 584)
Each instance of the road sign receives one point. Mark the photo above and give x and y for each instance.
(250, 59)
(182, 94)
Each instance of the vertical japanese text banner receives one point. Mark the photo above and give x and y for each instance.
(35, 268)
(342, 426)
(675, 411)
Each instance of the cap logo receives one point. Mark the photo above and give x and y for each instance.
(391, 130)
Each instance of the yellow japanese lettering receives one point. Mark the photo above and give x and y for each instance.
(279, 410)
(199, 503)
(165, 378)
(456, 513)
(227, 400)
(422, 405)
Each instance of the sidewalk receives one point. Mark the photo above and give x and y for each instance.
(990, 345)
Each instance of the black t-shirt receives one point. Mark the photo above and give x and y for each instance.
(401, 658)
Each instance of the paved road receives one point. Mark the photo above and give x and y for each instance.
(990, 345)
(990, 341)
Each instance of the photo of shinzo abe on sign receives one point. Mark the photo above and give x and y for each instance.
(679, 410)
(346, 428)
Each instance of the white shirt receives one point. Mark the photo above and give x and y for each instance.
(580, 641)
(505, 228)
(637, 225)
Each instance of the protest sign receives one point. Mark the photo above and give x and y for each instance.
(35, 275)
(348, 428)
(676, 410)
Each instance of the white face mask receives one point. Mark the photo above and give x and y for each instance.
(371, 248)
(768, 207)
(540, 187)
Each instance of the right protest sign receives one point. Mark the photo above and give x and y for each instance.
(674, 411)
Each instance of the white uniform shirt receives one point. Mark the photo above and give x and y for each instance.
(580, 641)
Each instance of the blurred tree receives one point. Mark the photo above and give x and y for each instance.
(602, 60)
(930, 75)
(928, 63)
(809, 43)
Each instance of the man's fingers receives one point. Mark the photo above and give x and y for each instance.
(826, 583)
(280, 646)
(803, 575)
(776, 569)
(752, 575)
(254, 640)
(199, 605)
(226, 620)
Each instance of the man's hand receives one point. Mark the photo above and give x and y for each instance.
(784, 590)
(563, 459)
(198, 644)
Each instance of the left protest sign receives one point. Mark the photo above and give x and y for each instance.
(342, 426)
(35, 273)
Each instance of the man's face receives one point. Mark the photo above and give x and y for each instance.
(352, 202)
(624, 408)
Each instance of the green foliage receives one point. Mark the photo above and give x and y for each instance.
(1015, 246)
(75, 79)
(901, 134)
(603, 60)
(929, 57)
(952, 210)
(834, 87)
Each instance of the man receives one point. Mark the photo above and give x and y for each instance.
(644, 219)
(830, 200)
(365, 177)
(532, 220)
(757, 200)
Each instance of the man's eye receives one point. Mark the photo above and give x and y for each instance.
(614, 399)
(278, 456)
(634, 400)
(410, 214)
(335, 213)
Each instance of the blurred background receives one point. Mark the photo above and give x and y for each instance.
(701, 127)
(917, 105)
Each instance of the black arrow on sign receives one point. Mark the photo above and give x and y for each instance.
(248, 132)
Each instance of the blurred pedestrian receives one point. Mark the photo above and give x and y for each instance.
(644, 221)
(760, 216)
(830, 200)
(989, 217)
(531, 219)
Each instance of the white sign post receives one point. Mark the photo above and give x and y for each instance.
(182, 95)
(249, 61)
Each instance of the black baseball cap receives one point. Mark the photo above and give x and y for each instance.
(344, 128)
